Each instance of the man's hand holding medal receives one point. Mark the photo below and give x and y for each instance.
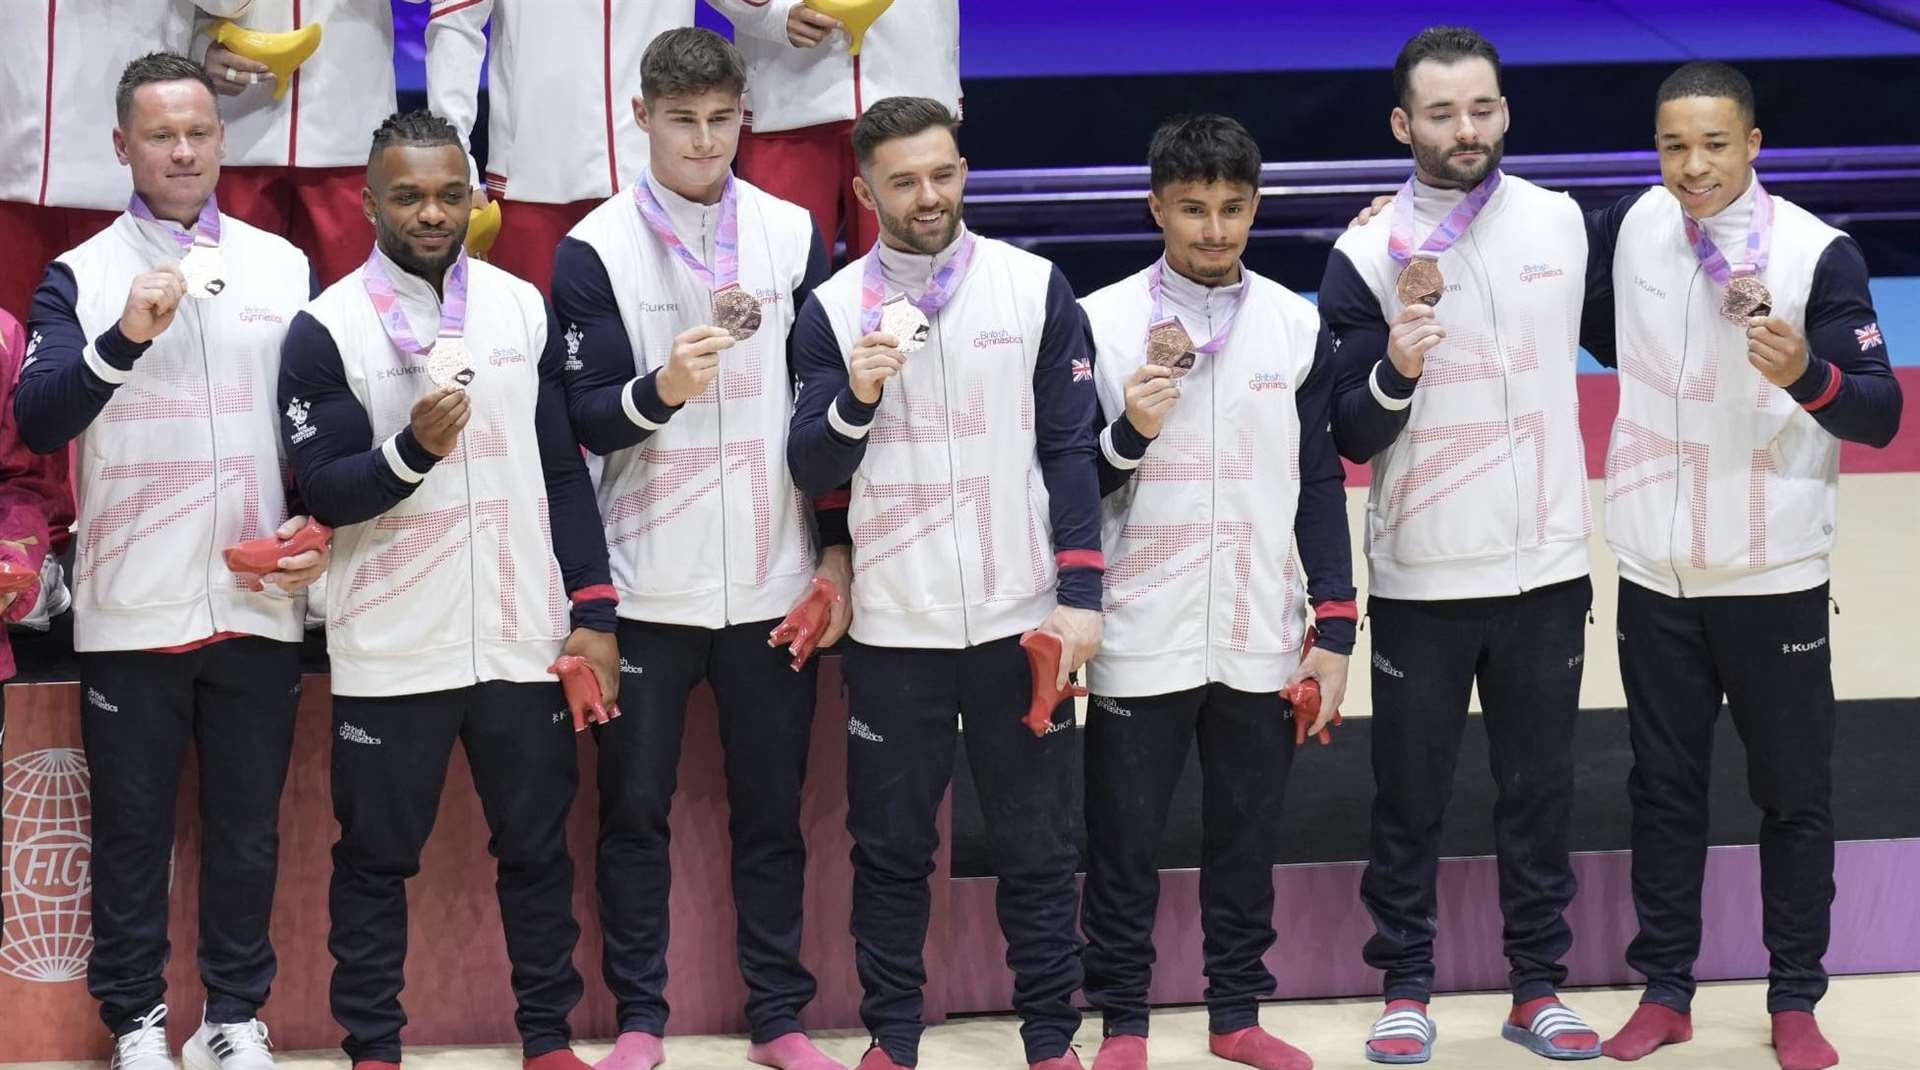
(1411, 336)
(152, 299)
(1776, 350)
(882, 352)
(1151, 392)
(438, 418)
(692, 364)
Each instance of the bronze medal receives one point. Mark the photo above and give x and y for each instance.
(447, 363)
(1420, 282)
(736, 311)
(904, 320)
(1169, 346)
(1746, 297)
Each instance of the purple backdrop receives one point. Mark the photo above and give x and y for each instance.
(1001, 38)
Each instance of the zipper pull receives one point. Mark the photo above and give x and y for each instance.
(1834, 603)
(1590, 619)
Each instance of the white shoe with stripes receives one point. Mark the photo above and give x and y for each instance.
(145, 1048)
(1403, 1024)
(239, 1046)
(1550, 1022)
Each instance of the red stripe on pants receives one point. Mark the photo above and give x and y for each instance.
(814, 168)
(529, 234)
(318, 209)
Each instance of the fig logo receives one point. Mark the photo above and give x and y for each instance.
(49, 867)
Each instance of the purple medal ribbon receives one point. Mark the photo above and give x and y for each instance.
(205, 232)
(946, 282)
(1759, 241)
(1400, 236)
(726, 237)
(453, 307)
(1155, 279)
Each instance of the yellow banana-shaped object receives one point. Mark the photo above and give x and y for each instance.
(855, 15)
(483, 226)
(281, 52)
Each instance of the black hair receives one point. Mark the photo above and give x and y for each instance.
(158, 67)
(1444, 45)
(896, 117)
(421, 127)
(1203, 148)
(1706, 78)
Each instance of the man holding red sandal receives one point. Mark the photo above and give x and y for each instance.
(151, 345)
(948, 376)
(675, 296)
(424, 415)
(1207, 615)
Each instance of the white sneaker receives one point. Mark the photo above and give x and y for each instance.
(146, 1047)
(240, 1046)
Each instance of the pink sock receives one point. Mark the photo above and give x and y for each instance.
(558, 1059)
(634, 1051)
(1399, 1045)
(1651, 1027)
(1522, 1016)
(791, 1051)
(375, 1064)
(1798, 1043)
(877, 1058)
(1122, 1052)
(1069, 1060)
(1258, 1048)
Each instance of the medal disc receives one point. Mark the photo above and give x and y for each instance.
(1746, 296)
(205, 270)
(736, 311)
(902, 319)
(447, 364)
(1169, 346)
(1420, 283)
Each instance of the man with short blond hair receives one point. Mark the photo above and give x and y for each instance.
(179, 458)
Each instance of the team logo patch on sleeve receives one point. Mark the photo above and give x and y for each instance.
(297, 412)
(1083, 370)
(1869, 336)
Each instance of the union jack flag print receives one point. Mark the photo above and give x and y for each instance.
(1083, 370)
(1868, 336)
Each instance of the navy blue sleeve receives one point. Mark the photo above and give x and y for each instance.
(820, 455)
(1128, 444)
(1596, 317)
(573, 514)
(602, 391)
(1849, 386)
(1063, 412)
(59, 392)
(1362, 426)
(1320, 517)
(1117, 440)
(343, 476)
(819, 267)
(829, 509)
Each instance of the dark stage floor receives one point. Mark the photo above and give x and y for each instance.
(1876, 791)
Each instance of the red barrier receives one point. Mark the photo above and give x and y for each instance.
(457, 990)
